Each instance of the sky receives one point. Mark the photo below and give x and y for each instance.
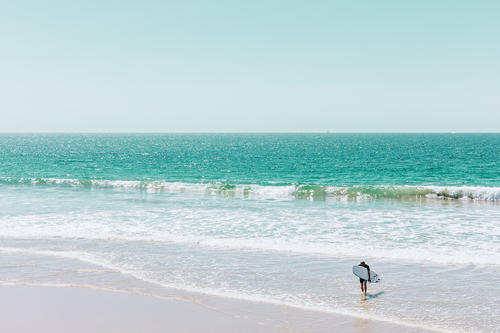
(249, 66)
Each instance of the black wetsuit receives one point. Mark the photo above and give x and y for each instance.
(367, 267)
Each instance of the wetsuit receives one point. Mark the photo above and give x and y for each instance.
(367, 267)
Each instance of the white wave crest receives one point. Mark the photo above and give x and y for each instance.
(283, 192)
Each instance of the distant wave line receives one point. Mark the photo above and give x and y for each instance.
(278, 191)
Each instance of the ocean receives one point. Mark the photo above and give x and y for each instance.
(278, 218)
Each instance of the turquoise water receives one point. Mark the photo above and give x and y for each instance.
(264, 159)
(273, 217)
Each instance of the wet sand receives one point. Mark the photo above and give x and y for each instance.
(76, 309)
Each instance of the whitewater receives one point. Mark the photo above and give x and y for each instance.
(273, 191)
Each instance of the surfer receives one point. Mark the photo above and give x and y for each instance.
(363, 281)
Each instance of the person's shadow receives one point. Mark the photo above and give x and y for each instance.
(372, 296)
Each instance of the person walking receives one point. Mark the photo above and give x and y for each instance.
(363, 281)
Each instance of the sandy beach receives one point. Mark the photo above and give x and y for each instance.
(76, 309)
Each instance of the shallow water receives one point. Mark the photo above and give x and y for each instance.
(276, 218)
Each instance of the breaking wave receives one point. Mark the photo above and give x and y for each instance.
(278, 191)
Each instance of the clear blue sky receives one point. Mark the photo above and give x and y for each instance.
(251, 66)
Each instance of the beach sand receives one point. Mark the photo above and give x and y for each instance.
(77, 309)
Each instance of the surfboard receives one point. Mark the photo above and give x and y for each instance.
(362, 272)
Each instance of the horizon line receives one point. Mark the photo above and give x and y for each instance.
(253, 132)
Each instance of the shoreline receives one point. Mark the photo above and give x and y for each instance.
(28, 308)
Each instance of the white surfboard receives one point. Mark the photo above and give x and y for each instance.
(362, 272)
